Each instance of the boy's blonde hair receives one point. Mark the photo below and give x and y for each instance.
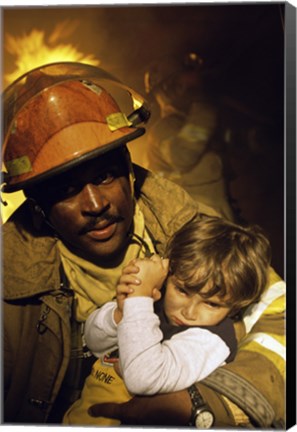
(233, 259)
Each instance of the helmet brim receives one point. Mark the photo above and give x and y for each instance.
(8, 188)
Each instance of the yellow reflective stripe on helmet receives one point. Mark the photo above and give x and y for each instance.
(253, 312)
(18, 166)
(268, 347)
(117, 120)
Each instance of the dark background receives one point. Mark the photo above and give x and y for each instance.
(243, 44)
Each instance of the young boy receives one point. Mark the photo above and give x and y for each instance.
(213, 269)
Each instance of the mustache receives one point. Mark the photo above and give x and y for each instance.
(109, 218)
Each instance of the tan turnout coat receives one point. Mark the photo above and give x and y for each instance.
(37, 321)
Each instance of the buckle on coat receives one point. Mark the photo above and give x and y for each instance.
(38, 403)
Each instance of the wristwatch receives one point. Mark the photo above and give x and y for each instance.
(202, 417)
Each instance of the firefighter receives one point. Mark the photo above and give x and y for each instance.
(180, 144)
(88, 211)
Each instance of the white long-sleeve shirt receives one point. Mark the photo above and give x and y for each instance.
(148, 365)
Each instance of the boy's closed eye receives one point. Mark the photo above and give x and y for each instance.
(181, 290)
(213, 304)
(210, 303)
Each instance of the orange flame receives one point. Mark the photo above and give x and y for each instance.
(34, 49)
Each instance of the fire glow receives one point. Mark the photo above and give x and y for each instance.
(31, 51)
(35, 49)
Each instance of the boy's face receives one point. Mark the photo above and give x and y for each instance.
(184, 307)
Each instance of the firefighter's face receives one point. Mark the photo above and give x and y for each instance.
(182, 89)
(93, 208)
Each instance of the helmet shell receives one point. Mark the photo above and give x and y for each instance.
(59, 126)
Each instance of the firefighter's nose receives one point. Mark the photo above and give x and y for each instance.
(94, 200)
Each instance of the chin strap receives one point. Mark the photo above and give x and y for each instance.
(142, 242)
(40, 216)
(1, 199)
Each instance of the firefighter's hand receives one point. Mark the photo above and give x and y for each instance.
(163, 409)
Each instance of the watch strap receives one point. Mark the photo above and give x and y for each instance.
(196, 398)
(198, 404)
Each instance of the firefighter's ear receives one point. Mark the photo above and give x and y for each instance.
(38, 215)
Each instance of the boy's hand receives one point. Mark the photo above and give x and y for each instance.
(141, 277)
(152, 273)
(127, 281)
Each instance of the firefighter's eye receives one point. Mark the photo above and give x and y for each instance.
(105, 178)
(68, 190)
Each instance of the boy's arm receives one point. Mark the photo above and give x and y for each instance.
(150, 366)
(250, 374)
(101, 330)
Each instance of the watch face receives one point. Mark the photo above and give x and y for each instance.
(204, 420)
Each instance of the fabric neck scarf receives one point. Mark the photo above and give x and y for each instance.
(93, 286)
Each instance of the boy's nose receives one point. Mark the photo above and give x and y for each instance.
(190, 311)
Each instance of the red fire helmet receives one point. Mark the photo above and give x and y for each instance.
(58, 116)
